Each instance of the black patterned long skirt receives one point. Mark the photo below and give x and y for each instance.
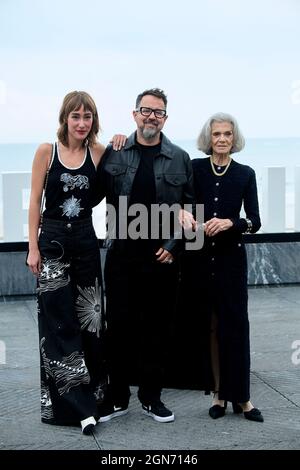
(71, 322)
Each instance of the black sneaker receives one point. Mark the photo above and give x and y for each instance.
(159, 412)
(108, 412)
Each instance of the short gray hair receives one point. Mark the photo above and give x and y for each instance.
(204, 139)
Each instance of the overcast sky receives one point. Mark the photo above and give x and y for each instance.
(235, 56)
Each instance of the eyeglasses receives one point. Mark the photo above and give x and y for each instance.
(158, 113)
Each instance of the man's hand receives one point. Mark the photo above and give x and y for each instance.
(187, 220)
(164, 256)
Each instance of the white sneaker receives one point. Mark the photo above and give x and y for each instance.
(88, 425)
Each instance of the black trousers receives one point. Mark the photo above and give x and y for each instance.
(141, 297)
(71, 322)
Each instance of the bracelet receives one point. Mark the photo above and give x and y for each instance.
(249, 226)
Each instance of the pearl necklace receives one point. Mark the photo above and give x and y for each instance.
(224, 171)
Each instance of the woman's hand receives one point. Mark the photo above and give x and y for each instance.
(118, 141)
(34, 261)
(214, 226)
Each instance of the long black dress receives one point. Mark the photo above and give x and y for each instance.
(70, 298)
(216, 277)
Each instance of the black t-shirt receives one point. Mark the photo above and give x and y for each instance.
(143, 188)
(144, 192)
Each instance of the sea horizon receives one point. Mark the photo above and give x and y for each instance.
(261, 151)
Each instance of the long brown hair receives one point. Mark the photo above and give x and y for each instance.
(72, 102)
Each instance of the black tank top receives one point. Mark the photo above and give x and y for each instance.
(69, 190)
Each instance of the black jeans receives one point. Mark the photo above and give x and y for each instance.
(141, 298)
(71, 322)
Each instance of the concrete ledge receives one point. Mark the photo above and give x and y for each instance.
(273, 263)
(15, 277)
(268, 263)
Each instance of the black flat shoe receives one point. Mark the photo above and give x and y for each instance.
(254, 415)
(217, 411)
(237, 409)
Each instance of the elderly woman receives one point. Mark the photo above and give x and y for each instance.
(220, 267)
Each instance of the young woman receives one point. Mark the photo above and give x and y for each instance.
(64, 255)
